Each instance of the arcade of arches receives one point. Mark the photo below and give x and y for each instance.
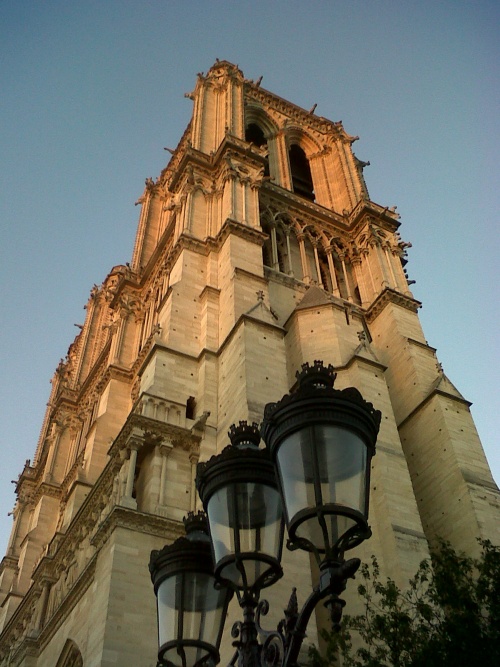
(308, 255)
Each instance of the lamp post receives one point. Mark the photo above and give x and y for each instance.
(319, 442)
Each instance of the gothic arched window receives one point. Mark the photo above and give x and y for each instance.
(70, 656)
(302, 182)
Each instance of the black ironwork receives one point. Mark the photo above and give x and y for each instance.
(243, 476)
(317, 413)
(186, 568)
(319, 445)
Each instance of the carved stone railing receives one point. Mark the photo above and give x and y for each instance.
(163, 410)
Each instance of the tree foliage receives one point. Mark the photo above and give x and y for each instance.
(448, 616)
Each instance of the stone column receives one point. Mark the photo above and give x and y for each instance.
(43, 605)
(366, 254)
(134, 444)
(274, 249)
(333, 276)
(59, 428)
(289, 252)
(346, 277)
(318, 268)
(383, 265)
(193, 459)
(391, 268)
(165, 449)
(303, 258)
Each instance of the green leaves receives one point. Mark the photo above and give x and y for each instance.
(447, 616)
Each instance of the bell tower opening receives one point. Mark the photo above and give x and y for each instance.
(302, 182)
(255, 134)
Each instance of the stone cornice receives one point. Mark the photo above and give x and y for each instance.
(8, 562)
(139, 522)
(189, 156)
(46, 489)
(238, 148)
(410, 531)
(243, 273)
(387, 218)
(364, 360)
(158, 257)
(486, 484)
(208, 291)
(419, 343)
(181, 437)
(254, 320)
(284, 279)
(349, 308)
(144, 354)
(170, 253)
(298, 207)
(429, 397)
(294, 112)
(209, 165)
(238, 229)
(391, 296)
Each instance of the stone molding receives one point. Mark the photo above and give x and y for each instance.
(298, 207)
(429, 397)
(35, 642)
(139, 522)
(318, 123)
(391, 296)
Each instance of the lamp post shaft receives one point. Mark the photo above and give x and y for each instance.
(249, 649)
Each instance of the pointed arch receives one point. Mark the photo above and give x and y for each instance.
(300, 172)
(70, 655)
(297, 135)
(301, 147)
(261, 131)
(255, 115)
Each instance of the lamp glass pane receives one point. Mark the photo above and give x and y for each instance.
(322, 465)
(202, 606)
(245, 519)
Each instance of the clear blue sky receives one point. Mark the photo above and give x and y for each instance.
(91, 92)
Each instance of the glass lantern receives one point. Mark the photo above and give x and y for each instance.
(192, 606)
(322, 441)
(239, 492)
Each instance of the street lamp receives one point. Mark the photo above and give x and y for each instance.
(316, 465)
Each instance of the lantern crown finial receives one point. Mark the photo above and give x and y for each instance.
(244, 435)
(317, 375)
(196, 523)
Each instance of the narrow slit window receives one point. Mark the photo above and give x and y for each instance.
(190, 407)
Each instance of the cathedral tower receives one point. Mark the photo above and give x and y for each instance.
(258, 248)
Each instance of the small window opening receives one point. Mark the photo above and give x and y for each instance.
(302, 182)
(190, 407)
(255, 135)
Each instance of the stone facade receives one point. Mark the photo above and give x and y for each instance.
(257, 249)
